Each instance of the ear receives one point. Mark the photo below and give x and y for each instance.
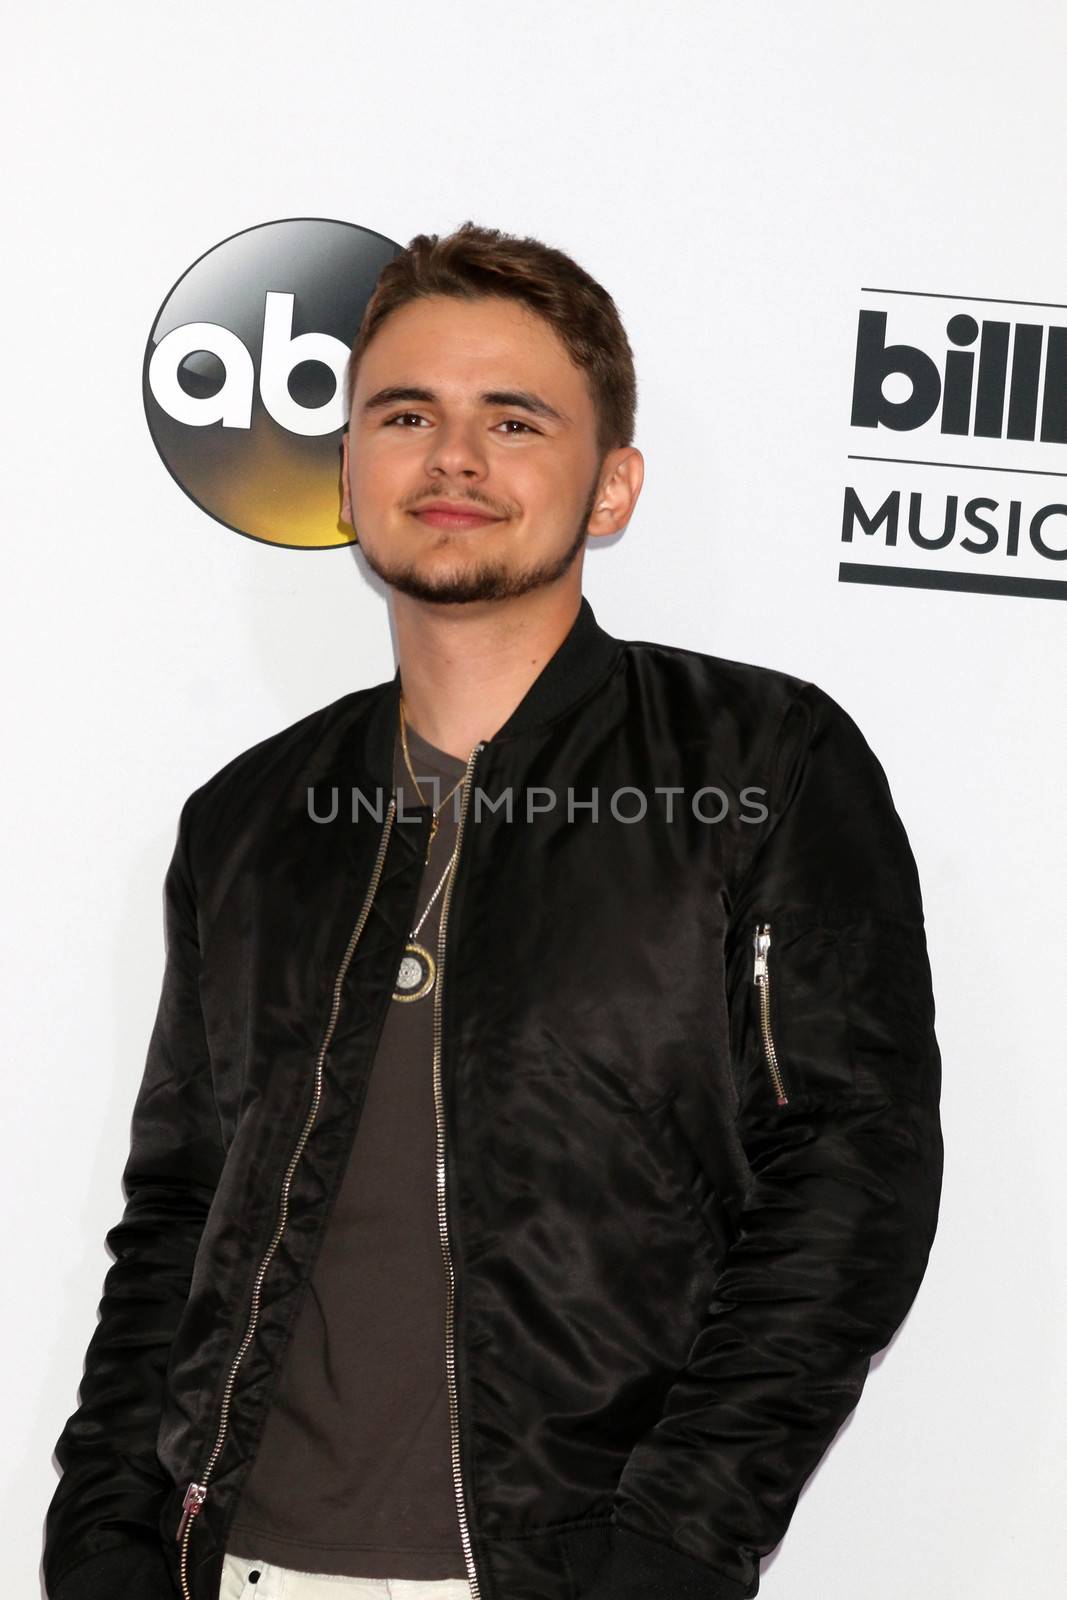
(621, 477)
(346, 492)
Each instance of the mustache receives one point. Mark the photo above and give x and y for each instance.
(474, 501)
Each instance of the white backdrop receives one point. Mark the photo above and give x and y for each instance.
(736, 176)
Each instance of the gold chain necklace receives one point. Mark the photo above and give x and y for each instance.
(435, 814)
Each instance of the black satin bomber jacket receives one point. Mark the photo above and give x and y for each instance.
(680, 1209)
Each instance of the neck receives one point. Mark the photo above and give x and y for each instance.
(464, 668)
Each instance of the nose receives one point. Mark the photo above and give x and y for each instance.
(457, 450)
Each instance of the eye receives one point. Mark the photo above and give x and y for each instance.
(514, 422)
(401, 416)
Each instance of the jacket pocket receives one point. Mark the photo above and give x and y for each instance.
(761, 977)
(790, 1019)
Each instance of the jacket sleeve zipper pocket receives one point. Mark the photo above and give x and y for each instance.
(761, 977)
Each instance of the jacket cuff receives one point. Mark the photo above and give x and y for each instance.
(638, 1568)
(136, 1571)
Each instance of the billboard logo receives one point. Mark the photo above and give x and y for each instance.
(1031, 406)
(244, 372)
(973, 497)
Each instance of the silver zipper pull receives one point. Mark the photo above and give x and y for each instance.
(761, 944)
(195, 1496)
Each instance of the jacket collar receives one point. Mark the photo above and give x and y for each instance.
(582, 660)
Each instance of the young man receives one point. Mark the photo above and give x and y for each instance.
(539, 1133)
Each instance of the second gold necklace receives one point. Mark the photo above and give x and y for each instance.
(418, 969)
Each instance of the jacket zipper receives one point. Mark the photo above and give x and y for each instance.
(442, 1197)
(761, 977)
(196, 1493)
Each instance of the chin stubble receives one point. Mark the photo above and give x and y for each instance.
(490, 582)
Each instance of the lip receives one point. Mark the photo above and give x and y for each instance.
(452, 514)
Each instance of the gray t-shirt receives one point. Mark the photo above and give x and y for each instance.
(354, 1473)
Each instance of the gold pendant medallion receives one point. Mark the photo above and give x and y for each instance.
(416, 973)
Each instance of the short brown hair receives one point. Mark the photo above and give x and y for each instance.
(475, 261)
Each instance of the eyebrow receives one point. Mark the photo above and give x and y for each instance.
(519, 399)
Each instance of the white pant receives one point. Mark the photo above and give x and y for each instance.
(282, 1583)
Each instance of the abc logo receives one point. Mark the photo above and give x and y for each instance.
(244, 375)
